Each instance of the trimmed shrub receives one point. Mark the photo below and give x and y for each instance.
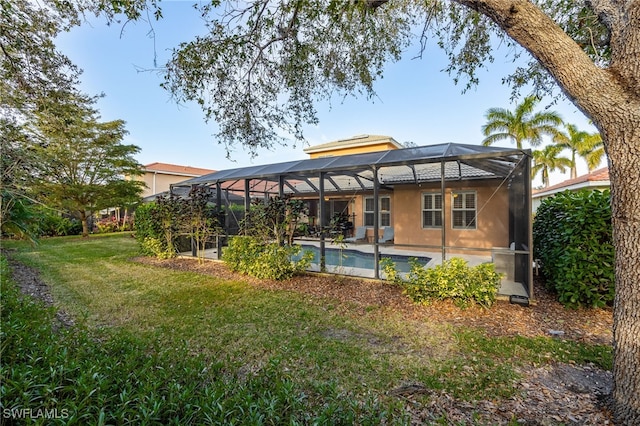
(250, 256)
(572, 236)
(453, 279)
(148, 231)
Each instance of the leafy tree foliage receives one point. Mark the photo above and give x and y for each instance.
(83, 166)
(30, 69)
(274, 221)
(204, 218)
(160, 224)
(54, 150)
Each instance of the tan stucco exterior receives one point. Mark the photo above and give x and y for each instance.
(406, 216)
(355, 145)
(492, 228)
(158, 177)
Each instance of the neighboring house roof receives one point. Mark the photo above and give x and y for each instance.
(594, 180)
(174, 169)
(360, 141)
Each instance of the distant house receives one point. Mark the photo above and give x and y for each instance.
(158, 177)
(597, 180)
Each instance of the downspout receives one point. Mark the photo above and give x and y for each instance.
(153, 184)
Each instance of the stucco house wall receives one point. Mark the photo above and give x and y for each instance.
(492, 228)
(492, 225)
(158, 177)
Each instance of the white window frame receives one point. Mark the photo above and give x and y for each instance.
(468, 214)
(437, 212)
(381, 213)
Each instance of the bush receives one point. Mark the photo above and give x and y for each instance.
(454, 280)
(155, 247)
(51, 224)
(148, 231)
(250, 256)
(572, 237)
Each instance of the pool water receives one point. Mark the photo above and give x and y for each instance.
(357, 259)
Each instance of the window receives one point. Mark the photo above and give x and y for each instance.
(385, 211)
(463, 210)
(432, 210)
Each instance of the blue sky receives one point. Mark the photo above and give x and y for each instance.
(416, 101)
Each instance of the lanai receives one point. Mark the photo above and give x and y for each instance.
(439, 167)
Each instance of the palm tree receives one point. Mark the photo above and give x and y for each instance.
(594, 152)
(521, 125)
(585, 144)
(547, 161)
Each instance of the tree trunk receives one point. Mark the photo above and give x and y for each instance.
(611, 98)
(85, 224)
(623, 139)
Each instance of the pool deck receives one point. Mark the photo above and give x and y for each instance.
(507, 287)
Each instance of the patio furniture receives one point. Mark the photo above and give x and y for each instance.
(361, 235)
(387, 235)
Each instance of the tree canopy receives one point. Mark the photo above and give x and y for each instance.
(83, 167)
(54, 148)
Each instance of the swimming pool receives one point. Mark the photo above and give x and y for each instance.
(355, 262)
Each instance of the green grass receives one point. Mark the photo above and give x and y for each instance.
(163, 346)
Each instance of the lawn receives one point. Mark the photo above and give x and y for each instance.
(160, 346)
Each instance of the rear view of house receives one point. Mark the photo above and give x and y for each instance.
(440, 200)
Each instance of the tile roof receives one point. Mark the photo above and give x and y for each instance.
(177, 169)
(598, 177)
